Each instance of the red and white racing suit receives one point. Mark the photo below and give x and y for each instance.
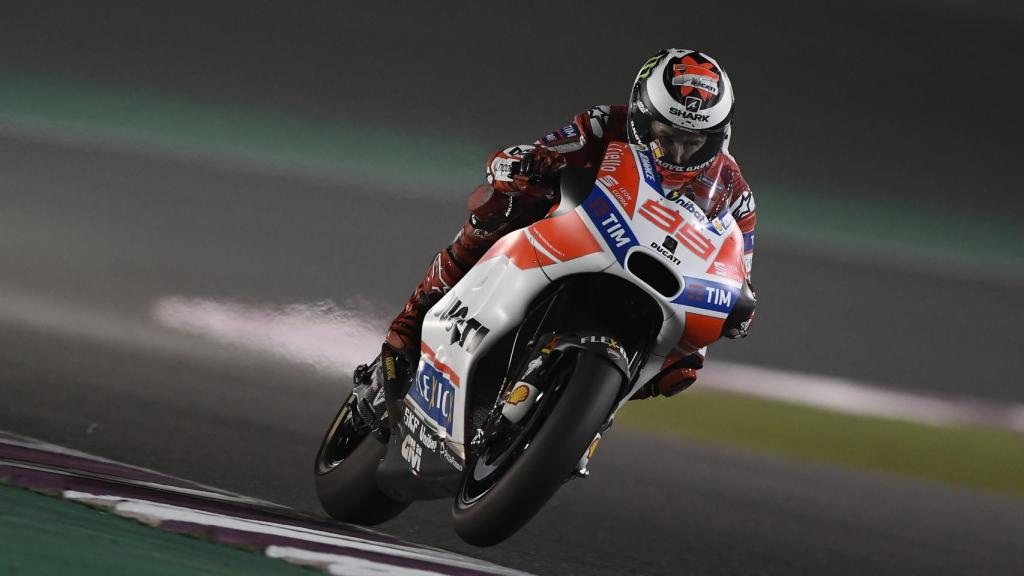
(496, 208)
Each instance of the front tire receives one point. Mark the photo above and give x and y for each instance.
(346, 474)
(546, 461)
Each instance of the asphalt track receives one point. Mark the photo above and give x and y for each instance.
(833, 101)
(852, 99)
(90, 237)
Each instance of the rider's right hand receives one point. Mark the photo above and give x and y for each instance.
(525, 169)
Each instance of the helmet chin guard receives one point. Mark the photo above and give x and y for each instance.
(688, 91)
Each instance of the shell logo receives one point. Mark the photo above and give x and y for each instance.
(518, 394)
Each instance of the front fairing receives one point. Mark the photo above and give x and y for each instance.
(626, 218)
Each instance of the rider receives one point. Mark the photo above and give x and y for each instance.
(680, 109)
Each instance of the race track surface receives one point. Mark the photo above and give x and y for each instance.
(91, 238)
(107, 246)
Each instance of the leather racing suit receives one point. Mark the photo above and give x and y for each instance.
(499, 207)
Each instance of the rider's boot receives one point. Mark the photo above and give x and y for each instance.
(379, 389)
(381, 385)
(677, 377)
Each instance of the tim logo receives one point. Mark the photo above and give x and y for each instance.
(692, 104)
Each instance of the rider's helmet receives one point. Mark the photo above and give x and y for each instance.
(678, 98)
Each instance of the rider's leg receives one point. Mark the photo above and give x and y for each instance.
(491, 216)
(679, 373)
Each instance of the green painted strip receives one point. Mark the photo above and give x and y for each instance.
(46, 535)
(988, 241)
(983, 458)
(359, 151)
(447, 167)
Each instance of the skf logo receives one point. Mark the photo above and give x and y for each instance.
(411, 421)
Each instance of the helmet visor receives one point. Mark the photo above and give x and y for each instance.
(673, 145)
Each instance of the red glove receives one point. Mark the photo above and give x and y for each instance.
(524, 169)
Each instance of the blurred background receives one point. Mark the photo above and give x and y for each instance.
(209, 211)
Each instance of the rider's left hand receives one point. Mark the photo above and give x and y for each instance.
(524, 170)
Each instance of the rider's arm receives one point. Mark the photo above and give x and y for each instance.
(583, 140)
(744, 211)
(580, 143)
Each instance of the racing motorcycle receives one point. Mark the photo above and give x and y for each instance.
(527, 359)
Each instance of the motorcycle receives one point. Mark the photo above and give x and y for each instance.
(527, 359)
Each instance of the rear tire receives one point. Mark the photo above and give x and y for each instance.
(346, 476)
(584, 405)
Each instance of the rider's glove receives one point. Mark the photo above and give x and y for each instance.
(524, 169)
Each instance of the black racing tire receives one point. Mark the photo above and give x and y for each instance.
(586, 400)
(346, 484)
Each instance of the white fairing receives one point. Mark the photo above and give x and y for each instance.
(493, 297)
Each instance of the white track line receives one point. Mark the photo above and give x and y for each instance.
(155, 513)
(851, 397)
(336, 339)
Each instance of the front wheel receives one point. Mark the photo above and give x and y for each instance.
(495, 500)
(346, 474)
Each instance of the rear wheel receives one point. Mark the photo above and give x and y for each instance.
(507, 483)
(346, 473)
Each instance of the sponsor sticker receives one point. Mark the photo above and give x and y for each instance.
(428, 440)
(412, 453)
(613, 227)
(666, 253)
(612, 157)
(467, 333)
(692, 75)
(648, 67)
(611, 343)
(744, 206)
(452, 460)
(708, 295)
(647, 169)
(519, 402)
(410, 420)
(435, 395)
(518, 394)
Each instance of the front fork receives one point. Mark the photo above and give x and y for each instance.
(522, 395)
